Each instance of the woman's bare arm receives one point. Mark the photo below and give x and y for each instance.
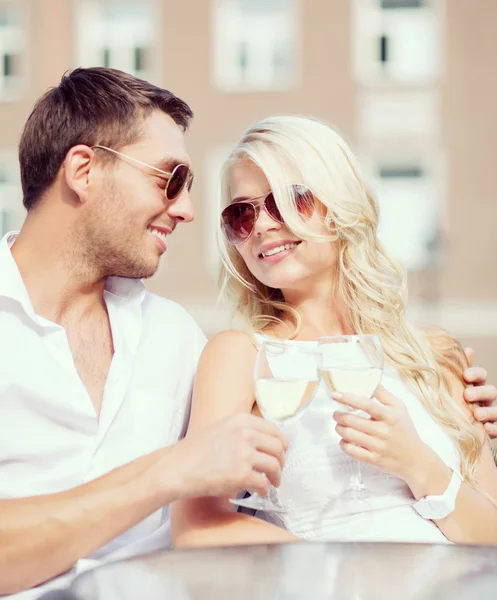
(224, 386)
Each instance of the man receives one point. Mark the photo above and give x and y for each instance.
(96, 373)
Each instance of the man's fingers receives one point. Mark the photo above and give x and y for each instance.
(258, 483)
(475, 375)
(481, 393)
(486, 413)
(265, 427)
(270, 445)
(470, 355)
(268, 465)
(491, 429)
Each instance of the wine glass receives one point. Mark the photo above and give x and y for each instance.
(285, 381)
(351, 364)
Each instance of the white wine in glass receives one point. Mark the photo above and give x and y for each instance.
(363, 382)
(285, 381)
(280, 399)
(351, 364)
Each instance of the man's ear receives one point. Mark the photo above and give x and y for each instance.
(77, 166)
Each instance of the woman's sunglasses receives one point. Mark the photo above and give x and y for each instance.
(238, 219)
(179, 178)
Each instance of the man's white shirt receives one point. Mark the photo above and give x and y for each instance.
(50, 437)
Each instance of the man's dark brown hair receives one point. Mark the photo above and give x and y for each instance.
(89, 106)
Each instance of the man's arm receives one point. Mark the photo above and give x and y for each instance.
(43, 536)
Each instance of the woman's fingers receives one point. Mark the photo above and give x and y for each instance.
(358, 438)
(358, 452)
(368, 405)
(368, 426)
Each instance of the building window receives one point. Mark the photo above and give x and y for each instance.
(386, 4)
(255, 44)
(11, 209)
(117, 34)
(409, 198)
(12, 50)
(396, 46)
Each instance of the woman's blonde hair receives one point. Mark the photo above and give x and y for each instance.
(370, 284)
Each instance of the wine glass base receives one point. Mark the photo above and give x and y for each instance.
(360, 493)
(354, 500)
(258, 503)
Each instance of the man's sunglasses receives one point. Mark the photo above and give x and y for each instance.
(180, 177)
(238, 219)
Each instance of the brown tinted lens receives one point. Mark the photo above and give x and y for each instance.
(238, 221)
(272, 208)
(177, 181)
(304, 200)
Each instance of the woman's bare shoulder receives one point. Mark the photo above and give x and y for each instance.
(232, 352)
(231, 340)
(224, 380)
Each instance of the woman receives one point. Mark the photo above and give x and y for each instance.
(301, 259)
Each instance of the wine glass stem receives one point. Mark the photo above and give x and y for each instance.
(356, 478)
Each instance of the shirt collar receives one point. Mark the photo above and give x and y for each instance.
(12, 284)
(124, 287)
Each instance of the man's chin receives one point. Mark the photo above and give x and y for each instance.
(146, 273)
(138, 271)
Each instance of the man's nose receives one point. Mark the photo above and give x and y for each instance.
(181, 208)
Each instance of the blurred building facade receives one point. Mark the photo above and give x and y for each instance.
(409, 83)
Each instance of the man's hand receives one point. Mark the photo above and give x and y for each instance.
(238, 453)
(482, 394)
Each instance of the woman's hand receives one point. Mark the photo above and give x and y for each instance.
(388, 440)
